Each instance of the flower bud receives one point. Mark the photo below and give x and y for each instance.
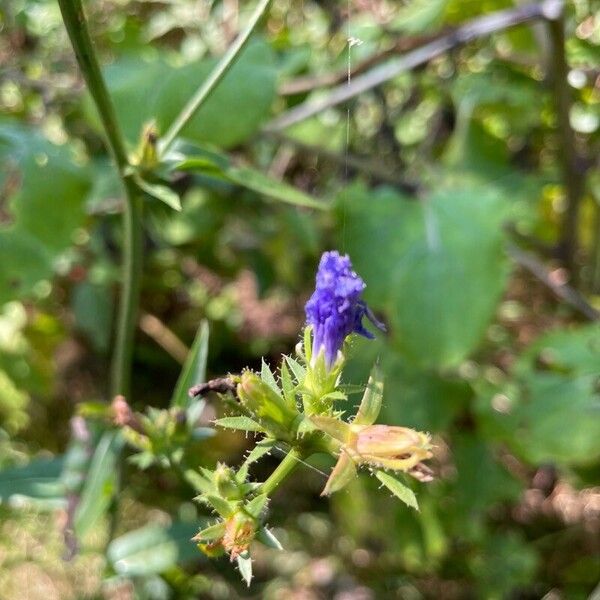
(226, 483)
(398, 448)
(268, 407)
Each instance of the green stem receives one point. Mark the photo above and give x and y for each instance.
(208, 85)
(292, 459)
(130, 291)
(75, 23)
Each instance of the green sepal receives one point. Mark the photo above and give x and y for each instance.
(244, 563)
(370, 405)
(267, 376)
(397, 488)
(214, 532)
(257, 505)
(222, 506)
(266, 537)
(242, 423)
(336, 428)
(341, 475)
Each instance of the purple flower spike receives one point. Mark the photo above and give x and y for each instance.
(336, 309)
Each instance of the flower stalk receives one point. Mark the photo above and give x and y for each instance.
(77, 29)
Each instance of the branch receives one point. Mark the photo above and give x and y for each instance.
(573, 178)
(477, 28)
(308, 83)
(561, 290)
(208, 85)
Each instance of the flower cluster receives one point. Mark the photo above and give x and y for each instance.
(300, 408)
(336, 309)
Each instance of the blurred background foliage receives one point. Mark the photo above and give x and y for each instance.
(446, 190)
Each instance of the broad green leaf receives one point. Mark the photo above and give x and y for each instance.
(153, 549)
(397, 488)
(436, 266)
(146, 89)
(42, 217)
(370, 405)
(93, 311)
(160, 192)
(38, 480)
(568, 352)
(194, 369)
(419, 16)
(242, 422)
(244, 563)
(100, 483)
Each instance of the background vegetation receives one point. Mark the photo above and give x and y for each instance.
(459, 171)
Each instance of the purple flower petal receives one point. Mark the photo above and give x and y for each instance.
(336, 309)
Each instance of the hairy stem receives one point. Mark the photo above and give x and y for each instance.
(291, 460)
(75, 23)
(208, 86)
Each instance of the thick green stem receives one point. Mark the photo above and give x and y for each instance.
(75, 23)
(292, 459)
(227, 61)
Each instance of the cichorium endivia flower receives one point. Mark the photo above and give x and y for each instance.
(336, 308)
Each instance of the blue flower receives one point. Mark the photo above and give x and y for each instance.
(336, 309)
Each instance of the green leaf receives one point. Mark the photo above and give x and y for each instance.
(38, 480)
(194, 369)
(93, 311)
(160, 192)
(397, 488)
(145, 89)
(44, 217)
(100, 483)
(260, 450)
(152, 549)
(250, 179)
(370, 404)
(242, 422)
(419, 16)
(437, 267)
